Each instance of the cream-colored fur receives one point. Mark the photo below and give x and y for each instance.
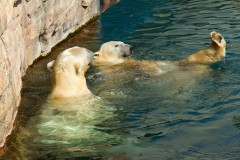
(215, 52)
(70, 116)
(112, 53)
(115, 69)
(86, 3)
(114, 56)
(68, 73)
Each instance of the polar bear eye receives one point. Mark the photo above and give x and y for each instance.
(116, 45)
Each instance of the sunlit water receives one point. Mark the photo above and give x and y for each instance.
(176, 116)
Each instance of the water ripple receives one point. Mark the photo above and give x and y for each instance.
(163, 118)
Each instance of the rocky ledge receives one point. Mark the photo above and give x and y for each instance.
(29, 29)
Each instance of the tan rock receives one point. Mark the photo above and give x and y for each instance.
(27, 29)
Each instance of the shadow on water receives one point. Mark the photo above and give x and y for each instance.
(175, 116)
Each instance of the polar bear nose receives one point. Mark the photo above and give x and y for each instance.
(131, 49)
(90, 64)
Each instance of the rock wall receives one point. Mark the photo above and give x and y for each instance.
(29, 29)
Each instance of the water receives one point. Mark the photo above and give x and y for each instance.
(172, 117)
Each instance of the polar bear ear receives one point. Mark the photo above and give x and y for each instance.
(86, 3)
(96, 55)
(50, 65)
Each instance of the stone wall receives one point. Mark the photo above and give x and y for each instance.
(29, 29)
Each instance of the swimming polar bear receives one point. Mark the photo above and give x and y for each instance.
(68, 73)
(70, 96)
(112, 53)
(114, 57)
(116, 52)
(115, 67)
(71, 117)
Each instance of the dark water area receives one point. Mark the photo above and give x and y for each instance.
(171, 117)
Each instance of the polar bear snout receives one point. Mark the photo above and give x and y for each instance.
(90, 56)
(129, 51)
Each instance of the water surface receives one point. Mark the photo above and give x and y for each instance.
(165, 118)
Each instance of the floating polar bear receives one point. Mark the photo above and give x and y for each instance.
(113, 52)
(116, 52)
(115, 67)
(70, 116)
(68, 73)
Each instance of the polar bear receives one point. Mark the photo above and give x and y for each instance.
(116, 52)
(71, 113)
(115, 67)
(112, 53)
(68, 73)
(115, 56)
(215, 52)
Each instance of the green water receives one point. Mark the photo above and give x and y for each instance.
(177, 116)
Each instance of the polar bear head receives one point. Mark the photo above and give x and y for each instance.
(113, 52)
(68, 73)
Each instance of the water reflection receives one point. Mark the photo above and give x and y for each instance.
(71, 125)
(105, 4)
